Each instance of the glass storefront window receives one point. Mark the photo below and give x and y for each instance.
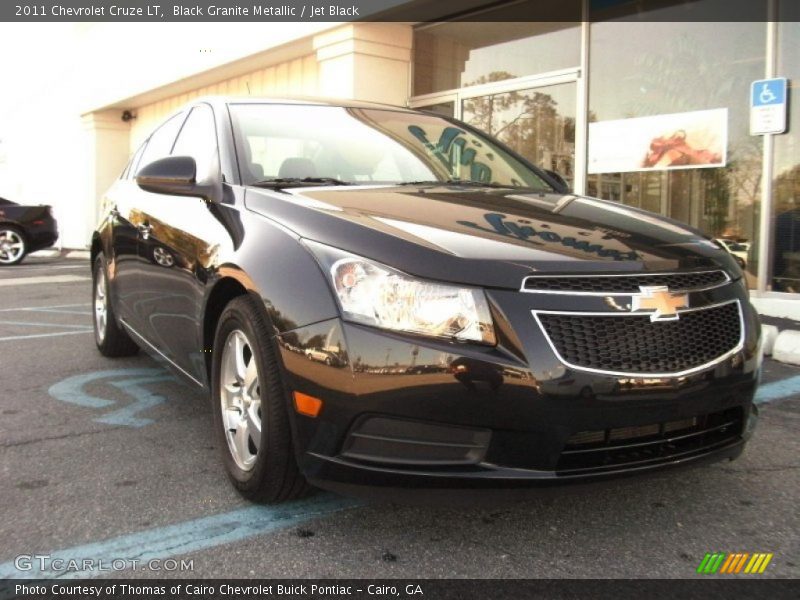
(462, 54)
(440, 108)
(786, 170)
(656, 69)
(539, 124)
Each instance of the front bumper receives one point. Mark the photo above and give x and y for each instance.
(408, 412)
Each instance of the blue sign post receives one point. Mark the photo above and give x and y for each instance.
(768, 105)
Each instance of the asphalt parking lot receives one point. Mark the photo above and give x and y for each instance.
(113, 459)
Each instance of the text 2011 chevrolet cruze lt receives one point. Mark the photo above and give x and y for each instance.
(382, 298)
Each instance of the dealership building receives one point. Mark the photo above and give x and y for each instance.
(649, 109)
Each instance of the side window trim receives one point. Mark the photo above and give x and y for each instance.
(186, 119)
(213, 120)
(133, 164)
(181, 119)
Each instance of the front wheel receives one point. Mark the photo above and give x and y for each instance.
(251, 417)
(12, 246)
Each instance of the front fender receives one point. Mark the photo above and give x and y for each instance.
(272, 262)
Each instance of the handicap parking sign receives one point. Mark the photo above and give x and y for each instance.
(768, 105)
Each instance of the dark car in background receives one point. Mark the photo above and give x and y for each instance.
(376, 297)
(24, 229)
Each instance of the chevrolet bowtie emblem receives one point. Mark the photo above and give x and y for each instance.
(659, 299)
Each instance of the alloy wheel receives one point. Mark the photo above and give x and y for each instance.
(163, 257)
(12, 246)
(100, 305)
(240, 400)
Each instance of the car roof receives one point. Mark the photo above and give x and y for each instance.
(296, 100)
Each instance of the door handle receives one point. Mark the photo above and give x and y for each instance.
(145, 229)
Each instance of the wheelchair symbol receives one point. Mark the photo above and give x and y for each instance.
(767, 96)
(131, 382)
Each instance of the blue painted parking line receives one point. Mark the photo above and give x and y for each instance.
(9, 338)
(29, 324)
(181, 538)
(61, 311)
(777, 390)
(82, 304)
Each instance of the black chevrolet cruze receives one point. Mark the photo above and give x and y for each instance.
(380, 298)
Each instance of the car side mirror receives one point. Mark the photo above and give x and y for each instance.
(175, 176)
(559, 180)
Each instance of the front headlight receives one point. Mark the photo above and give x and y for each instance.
(377, 295)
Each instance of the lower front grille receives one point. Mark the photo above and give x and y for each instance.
(626, 447)
(400, 442)
(631, 344)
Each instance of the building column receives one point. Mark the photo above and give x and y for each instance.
(107, 149)
(365, 61)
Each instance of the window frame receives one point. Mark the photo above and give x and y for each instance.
(188, 114)
(181, 117)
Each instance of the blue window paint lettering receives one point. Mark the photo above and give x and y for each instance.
(501, 225)
(450, 139)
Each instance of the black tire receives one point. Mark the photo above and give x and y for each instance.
(19, 238)
(112, 340)
(274, 475)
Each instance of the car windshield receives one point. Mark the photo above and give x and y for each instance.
(286, 145)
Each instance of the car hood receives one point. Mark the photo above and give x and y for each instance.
(487, 237)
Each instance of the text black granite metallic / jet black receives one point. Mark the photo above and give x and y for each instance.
(381, 299)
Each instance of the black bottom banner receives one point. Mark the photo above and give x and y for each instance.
(356, 589)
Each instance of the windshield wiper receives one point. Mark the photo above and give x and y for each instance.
(468, 182)
(284, 182)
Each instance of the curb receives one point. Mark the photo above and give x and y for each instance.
(769, 333)
(787, 347)
(781, 340)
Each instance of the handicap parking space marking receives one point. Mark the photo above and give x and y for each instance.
(183, 538)
(30, 324)
(61, 311)
(4, 281)
(51, 306)
(71, 330)
(46, 267)
(130, 381)
(144, 399)
(10, 338)
(67, 309)
(32, 311)
(778, 390)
